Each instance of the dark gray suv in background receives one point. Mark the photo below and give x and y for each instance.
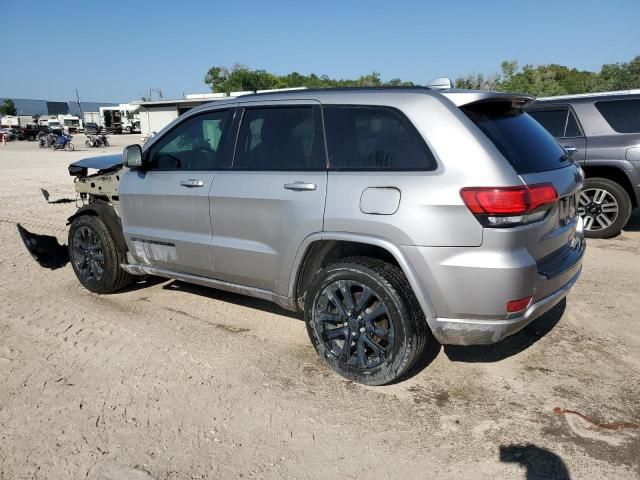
(602, 130)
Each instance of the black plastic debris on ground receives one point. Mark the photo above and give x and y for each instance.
(45, 249)
(45, 194)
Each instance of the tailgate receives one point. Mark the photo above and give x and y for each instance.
(552, 237)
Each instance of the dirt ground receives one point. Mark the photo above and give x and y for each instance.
(172, 381)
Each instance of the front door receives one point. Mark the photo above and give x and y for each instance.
(165, 207)
(272, 198)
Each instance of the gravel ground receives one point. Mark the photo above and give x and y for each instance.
(172, 381)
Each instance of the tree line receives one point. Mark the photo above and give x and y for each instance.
(540, 80)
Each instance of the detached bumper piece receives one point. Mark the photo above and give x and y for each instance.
(45, 249)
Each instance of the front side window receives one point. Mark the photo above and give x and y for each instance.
(279, 138)
(195, 144)
(622, 115)
(374, 138)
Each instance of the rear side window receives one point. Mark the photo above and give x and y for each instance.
(559, 122)
(622, 115)
(526, 144)
(553, 120)
(374, 138)
(279, 138)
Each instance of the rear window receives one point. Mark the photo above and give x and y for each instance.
(622, 115)
(374, 138)
(526, 145)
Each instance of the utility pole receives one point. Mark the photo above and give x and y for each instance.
(79, 105)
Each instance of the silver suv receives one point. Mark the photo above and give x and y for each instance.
(388, 216)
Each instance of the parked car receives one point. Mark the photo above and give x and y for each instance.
(91, 128)
(602, 131)
(390, 217)
(9, 134)
(30, 132)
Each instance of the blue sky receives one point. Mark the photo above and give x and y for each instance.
(115, 51)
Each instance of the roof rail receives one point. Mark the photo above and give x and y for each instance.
(595, 94)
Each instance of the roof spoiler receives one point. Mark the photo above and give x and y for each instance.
(462, 97)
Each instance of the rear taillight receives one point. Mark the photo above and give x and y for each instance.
(518, 305)
(509, 206)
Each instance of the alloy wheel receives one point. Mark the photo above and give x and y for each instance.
(354, 324)
(87, 254)
(598, 208)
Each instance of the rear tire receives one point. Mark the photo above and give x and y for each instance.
(604, 206)
(95, 257)
(364, 320)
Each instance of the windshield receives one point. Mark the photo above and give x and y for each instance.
(71, 123)
(526, 144)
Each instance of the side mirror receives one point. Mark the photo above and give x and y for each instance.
(132, 156)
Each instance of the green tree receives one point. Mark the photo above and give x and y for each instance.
(8, 108)
(241, 78)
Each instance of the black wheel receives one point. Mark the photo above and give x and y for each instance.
(604, 206)
(106, 142)
(95, 257)
(70, 147)
(364, 320)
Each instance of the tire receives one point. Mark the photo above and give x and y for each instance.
(106, 142)
(604, 206)
(70, 147)
(95, 257)
(389, 333)
(128, 129)
(87, 142)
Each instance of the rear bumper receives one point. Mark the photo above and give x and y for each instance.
(469, 287)
(456, 331)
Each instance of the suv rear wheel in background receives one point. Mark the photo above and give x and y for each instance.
(364, 320)
(604, 206)
(95, 257)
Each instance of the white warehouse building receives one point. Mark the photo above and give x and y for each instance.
(157, 114)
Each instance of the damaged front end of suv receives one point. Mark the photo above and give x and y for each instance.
(96, 182)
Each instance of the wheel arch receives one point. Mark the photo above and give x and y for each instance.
(110, 218)
(322, 248)
(619, 171)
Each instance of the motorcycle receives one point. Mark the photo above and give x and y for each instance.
(47, 140)
(96, 141)
(63, 143)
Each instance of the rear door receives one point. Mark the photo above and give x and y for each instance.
(561, 122)
(273, 197)
(165, 208)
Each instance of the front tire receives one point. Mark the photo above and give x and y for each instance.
(604, 206)
(95, 257)
(364, 320)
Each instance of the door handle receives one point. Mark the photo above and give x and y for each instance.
(570, 149)
(192, 183)
(300, 186)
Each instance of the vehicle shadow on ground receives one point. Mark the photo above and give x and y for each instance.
(235, 298)
(539, 463)
(142, 282)
(511, 345)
